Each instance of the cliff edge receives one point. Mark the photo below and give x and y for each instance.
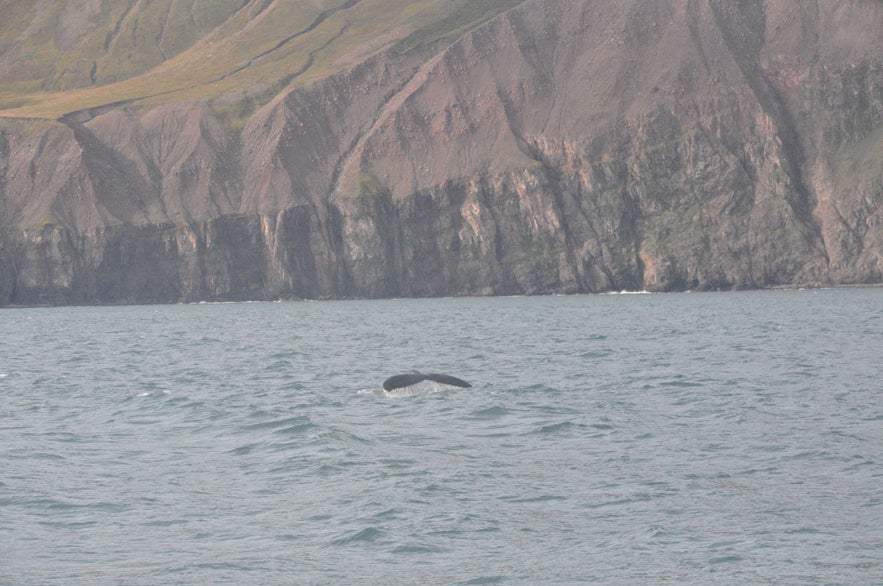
(538, 147)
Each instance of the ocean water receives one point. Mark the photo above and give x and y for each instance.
(671, 438)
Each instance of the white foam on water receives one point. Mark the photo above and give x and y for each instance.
(418, 390)
(153, 393)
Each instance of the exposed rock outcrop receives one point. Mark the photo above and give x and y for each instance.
(566, 146)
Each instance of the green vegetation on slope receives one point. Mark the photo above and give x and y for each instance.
(61, 46)
(56, 59)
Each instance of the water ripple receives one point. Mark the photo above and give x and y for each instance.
(702, 438)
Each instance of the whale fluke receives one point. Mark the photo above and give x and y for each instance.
(412, 378)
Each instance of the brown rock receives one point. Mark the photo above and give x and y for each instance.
(566, 146)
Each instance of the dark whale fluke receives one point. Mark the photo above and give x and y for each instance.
(406, 380)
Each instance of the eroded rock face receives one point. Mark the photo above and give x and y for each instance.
(561, 147)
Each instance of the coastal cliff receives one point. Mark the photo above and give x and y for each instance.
(540, 147)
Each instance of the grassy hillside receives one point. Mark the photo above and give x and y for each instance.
(58, 46)
(56, 58)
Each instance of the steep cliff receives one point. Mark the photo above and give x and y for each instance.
(542, 146)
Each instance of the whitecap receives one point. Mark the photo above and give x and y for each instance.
(153, 393)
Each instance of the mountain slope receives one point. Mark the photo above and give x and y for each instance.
(526, 147)
(69, 59)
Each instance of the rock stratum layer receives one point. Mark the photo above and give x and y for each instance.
(558, 146)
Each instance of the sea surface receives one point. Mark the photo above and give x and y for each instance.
(689, 438)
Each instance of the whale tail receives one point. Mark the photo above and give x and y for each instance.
(412, 378)
(447, 379)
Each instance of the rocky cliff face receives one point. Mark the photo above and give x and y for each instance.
(566, 146)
